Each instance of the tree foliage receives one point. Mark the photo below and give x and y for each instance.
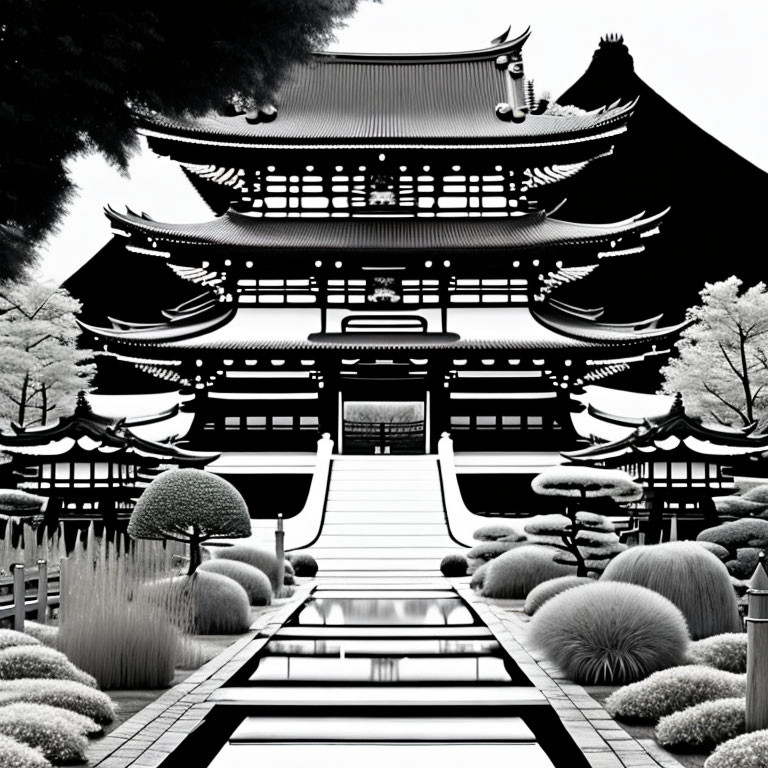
(722, 362)
(191, 506)
(74, 73)
(41, 367)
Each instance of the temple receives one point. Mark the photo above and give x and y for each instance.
(387, 262)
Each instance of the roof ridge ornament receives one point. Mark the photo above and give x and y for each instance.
(502, 38)
(516, 107)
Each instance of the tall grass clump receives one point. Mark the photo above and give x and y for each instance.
(252, 580)
(16, 754)
(673, 690)
(516, 572)
(685, 573)
(108, 626)
(65, 694)
(610, 633)
(747, 751)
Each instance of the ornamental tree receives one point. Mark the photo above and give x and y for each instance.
(191, 506)
(722, 362)
(583, 539)
(74, 73)
(41, 367)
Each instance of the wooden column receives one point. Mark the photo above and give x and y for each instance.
(42, 591)
(280, 555)
(19, 597)
(757, 649)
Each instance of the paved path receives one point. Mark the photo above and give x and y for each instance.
(325, 679)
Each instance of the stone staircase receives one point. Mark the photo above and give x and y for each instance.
(383, 514)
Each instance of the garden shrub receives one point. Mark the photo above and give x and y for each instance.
(289, 580)
(685, 573)
(758, 494)
(548, 589)
(288, 567)
(485, 552)
(673, 690)
(304, 565)
(219, 605)
(737, 506)
(10, 638)
(252, 580)
(45, 633)
(478, 578)
(747, 751)
(39, 661)
(743, 566)
(453, 565)
(15, 754)
(721, 553)
(497, 533)
(59, 738)
(703, 726)
(190, 505)
(65, 694)
(738, 534)
(727, 652)
(262, 559)
(515, 573)
(610, 633)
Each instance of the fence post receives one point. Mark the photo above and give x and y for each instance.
(757, 649)
(42, 591)
(280, 554)
(64, 563)
(19, 597)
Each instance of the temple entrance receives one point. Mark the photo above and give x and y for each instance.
(383, 427)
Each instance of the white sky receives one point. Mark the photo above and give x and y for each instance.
(708, 58)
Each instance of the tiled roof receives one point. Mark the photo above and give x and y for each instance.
(527, 231)
(429, 99)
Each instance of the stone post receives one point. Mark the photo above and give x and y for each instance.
(19, 597)
(757, 649)
(280, 554)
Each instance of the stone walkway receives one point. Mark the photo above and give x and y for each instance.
(604, 742)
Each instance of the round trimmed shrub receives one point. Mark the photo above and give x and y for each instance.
(745, 563)
(738, 534)
(65, 694)
(220, 605)
(10, 638)
(262, 559)
(478, 578)
(497, 533)
(252, 580)
(39, 661)
(15, 754)
(515, 573)
(685, 573)
(721, 553)
(610, 633)
(703, 726)
(45, 633)
(288, 567)
(758, 494)
(727, 652)
(453, 565)
(304, 565)
(548, 589)
(673, 690)
(737, 506)
(747, 751)
(485, 552)
(59, 738)
(192, 505)
(289, 580)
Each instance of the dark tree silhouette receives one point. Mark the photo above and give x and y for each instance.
(74, 71)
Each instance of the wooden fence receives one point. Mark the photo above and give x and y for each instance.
(29, 591)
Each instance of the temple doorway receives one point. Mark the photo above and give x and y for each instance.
(383, 427)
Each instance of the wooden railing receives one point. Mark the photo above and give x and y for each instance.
(18, 598)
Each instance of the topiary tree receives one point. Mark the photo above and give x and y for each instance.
(738, 506)
(757, 494)
(738, 534)
(191, 506)
(583, 535)
(497, 533)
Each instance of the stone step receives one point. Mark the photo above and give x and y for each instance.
(384, 494)
(360, 516)
(382, 527)
(372, 505)
(375, 540)
(342, 484)
(380, 553)
(431, 564)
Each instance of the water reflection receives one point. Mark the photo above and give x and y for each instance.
(381, 647)
(384, 669)
(324, 611)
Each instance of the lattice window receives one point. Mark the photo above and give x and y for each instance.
(487, 291)
(277, 291)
